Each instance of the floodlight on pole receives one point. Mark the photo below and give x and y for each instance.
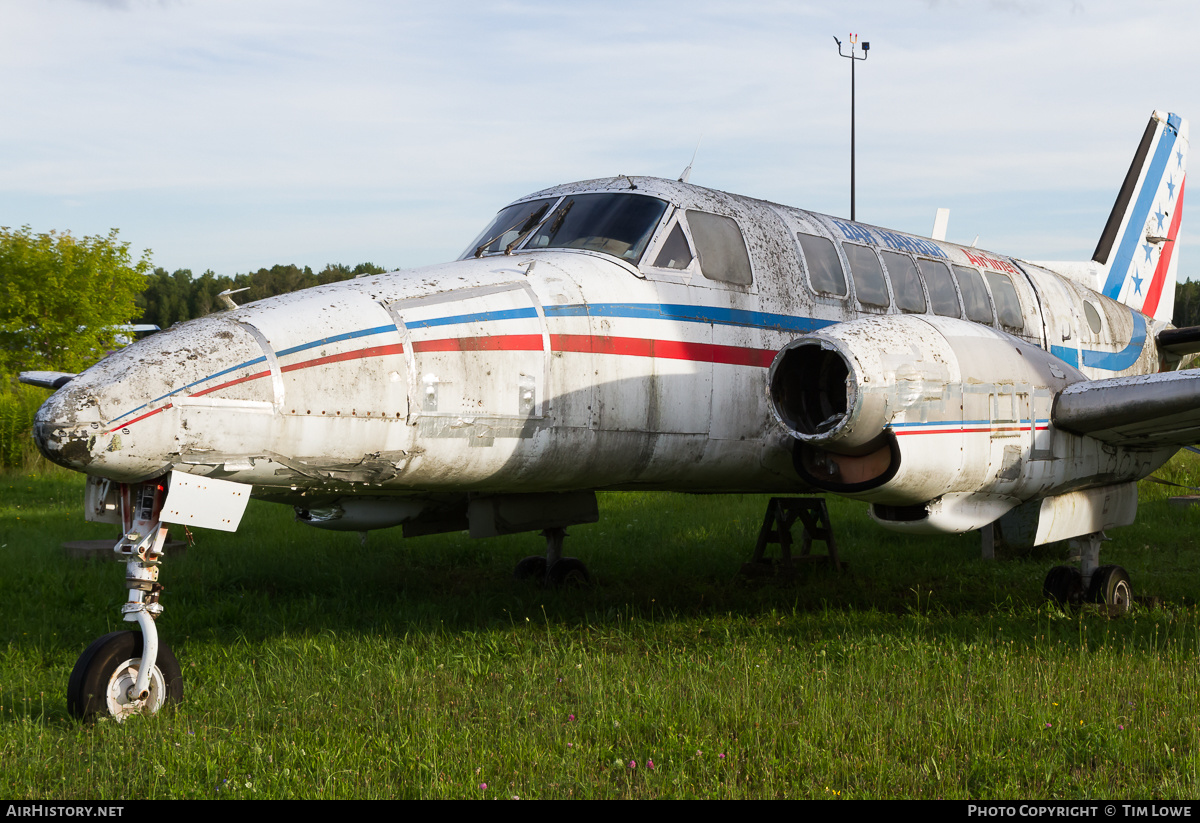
(866, 47)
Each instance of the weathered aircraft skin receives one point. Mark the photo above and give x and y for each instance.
(547, 371)
(640, 333)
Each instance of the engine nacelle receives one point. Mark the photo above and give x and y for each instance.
(943, 425)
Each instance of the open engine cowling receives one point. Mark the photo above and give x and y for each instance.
(943, 425)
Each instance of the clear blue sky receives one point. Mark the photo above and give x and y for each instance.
(234, 134)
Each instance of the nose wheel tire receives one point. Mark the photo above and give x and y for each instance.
(105, 673)
(1110, 587)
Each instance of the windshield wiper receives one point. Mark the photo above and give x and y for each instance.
(531, 223)
(560, 214)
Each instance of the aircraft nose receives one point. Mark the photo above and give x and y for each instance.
(119, 419)
(61, 428)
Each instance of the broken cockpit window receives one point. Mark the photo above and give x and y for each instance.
(619, 224)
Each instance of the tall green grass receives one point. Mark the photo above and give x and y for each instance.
(318, 667)
(18, 405)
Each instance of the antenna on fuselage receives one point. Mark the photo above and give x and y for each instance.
(683, 178)
(226, 300)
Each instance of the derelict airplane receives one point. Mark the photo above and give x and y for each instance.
(640, 333)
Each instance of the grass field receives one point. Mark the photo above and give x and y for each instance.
(316, 667)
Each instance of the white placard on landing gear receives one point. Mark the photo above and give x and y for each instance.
(205, 502)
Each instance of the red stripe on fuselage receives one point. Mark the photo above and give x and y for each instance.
(500, 342)
(666, 349)
(977, 430)
(357, 354)
(578, 343)
(129, 423)
(226, 385)
(590, 344)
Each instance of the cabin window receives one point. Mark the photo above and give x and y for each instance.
(975, 296)
(824, 267)
(675, 252)
(1008, 306)
(1093, 317)
(619, 224)
(943, 298)
(722, 250)
(906, 283)
(508, 226)
(869, 283)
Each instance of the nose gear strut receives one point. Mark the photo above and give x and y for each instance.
(102, 684)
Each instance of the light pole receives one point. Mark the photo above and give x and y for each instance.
(853, 59)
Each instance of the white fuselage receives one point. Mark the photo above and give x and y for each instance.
(570, 369)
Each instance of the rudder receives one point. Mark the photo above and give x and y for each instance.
(1137, 251)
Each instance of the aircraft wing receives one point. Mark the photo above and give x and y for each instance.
(1150, 409)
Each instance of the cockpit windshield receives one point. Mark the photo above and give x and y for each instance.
(616, 223)
(509, 225)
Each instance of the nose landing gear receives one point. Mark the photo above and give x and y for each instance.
(126, 673)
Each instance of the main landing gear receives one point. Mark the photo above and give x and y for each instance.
(553, 569)
(1090, 583)
(127, 673)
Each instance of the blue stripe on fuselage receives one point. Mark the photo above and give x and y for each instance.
(477, 317)
(1109, 361)
(767, 321)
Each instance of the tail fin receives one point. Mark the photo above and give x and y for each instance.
(1137, 251)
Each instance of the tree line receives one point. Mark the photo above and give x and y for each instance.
(172, 297)
(1187, 304)
(64, 298)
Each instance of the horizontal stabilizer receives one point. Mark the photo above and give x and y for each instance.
(1152, 409)
(1179, 341)
(46, 379)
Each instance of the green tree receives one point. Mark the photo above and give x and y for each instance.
(1187, 304)
(61, 297)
